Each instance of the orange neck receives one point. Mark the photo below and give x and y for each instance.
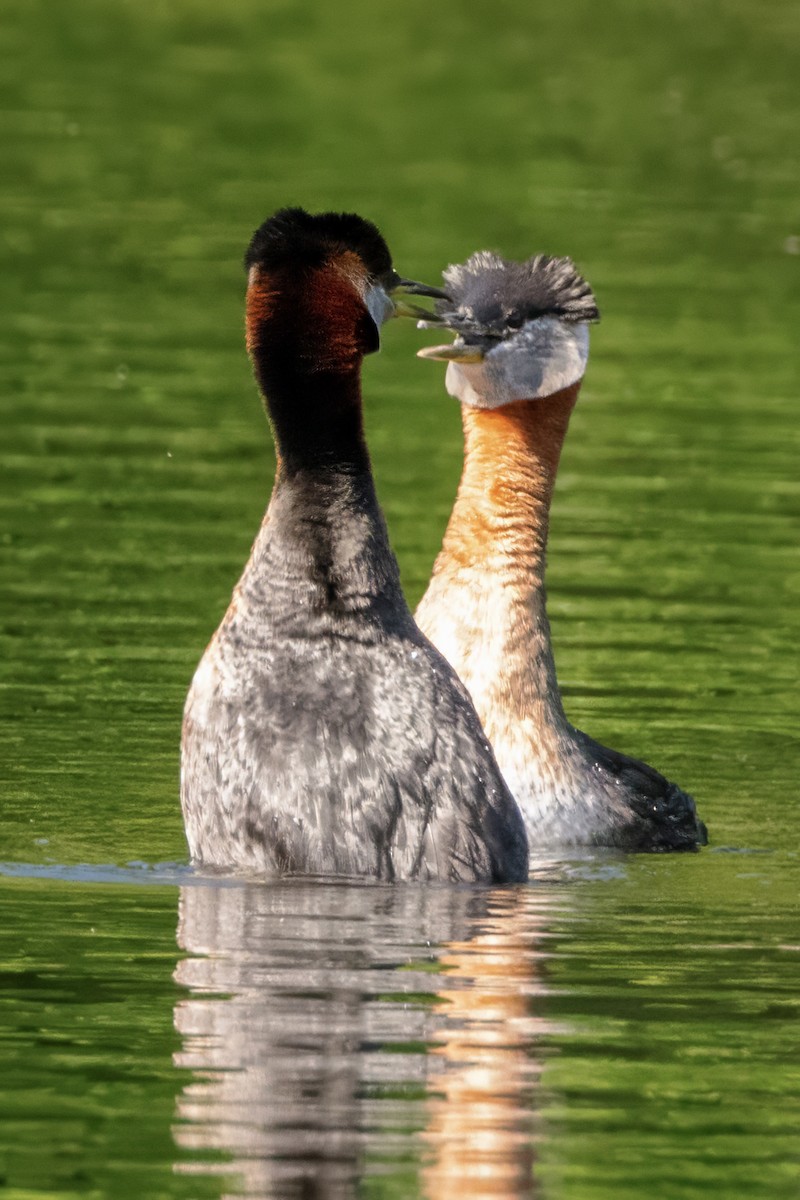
(502, 510)
(485, 607)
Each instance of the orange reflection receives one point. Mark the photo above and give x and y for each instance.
(480, 1132)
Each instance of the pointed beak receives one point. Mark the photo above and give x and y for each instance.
(410, 287)
(420, 289)
(456, 352)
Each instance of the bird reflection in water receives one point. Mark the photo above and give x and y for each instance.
(483, 1067)
(336, 1031)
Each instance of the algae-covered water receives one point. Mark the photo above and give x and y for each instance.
(621, 1028)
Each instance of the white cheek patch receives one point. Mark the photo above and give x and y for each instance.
(546, 356)
(466, 382)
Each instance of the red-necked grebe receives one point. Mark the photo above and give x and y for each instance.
(517, 366)
(323, 733)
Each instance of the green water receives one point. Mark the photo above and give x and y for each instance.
(655, 1052)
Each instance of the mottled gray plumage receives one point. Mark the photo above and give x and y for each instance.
(493, 297)
(323, 733)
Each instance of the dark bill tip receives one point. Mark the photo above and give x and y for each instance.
(421, 289)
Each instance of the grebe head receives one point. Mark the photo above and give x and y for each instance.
(521, 328)
(320, 287)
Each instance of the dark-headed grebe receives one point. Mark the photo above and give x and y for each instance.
(323, 733)
(517, 366)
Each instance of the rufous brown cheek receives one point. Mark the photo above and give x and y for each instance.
(338, 328)
(335, 306)
(261, 296)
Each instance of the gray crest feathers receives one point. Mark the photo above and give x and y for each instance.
(493, 296)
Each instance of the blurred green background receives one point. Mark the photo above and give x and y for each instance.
(655, 143)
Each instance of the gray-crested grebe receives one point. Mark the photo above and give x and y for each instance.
(323, 733)
(516, 366)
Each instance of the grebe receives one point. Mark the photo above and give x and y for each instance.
(323, 733)
(516, 366)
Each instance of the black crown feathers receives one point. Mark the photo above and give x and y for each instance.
(294, 236)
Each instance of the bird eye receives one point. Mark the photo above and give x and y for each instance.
(514, 320)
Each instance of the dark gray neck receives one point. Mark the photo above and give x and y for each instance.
(322, 562)
(316, 416)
